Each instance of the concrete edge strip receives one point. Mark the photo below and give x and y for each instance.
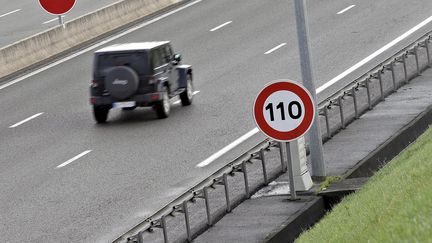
(312, 213)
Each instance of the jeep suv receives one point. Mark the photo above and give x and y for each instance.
(138, 74)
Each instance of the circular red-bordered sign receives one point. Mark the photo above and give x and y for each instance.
(284, 110)
(57, 7)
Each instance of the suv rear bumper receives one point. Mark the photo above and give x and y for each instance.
(141, 99)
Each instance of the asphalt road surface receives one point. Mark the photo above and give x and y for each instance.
(20, 19)
(116, 174)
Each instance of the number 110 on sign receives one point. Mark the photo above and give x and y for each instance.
(283, 110)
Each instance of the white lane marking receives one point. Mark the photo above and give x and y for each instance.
(373, 55)
(220, 26)
(318, 90)
(49, 21)
(346, 9)
(11, 12)
(26, 120)
(128, 31)
(274, 48)
(73, 159)
(178, 101)
(228, 148)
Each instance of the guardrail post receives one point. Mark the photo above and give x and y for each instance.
(392, 64)
(164, 230)
(245, 176)
(329, 134)
(404, 56)
(417, 60)
(225, 183)
(427, 51)
(283, 164)
(186, 213)
(140, 237)
(207, 203)
(368, 94)
(261, 153)
(354, 95)
(341, 111)
(381, 85)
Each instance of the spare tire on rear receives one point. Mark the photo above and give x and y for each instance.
(121, 82)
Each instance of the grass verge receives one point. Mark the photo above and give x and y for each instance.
(395, 205)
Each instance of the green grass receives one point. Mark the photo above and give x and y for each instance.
(394, 206)
(328, 181)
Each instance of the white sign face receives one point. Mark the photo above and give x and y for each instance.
(283, 110)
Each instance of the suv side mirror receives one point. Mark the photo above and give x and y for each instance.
(176, 59)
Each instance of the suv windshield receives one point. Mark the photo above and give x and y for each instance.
(137, 61)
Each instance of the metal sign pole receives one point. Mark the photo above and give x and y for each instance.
(61, 20)
(290, 172)
(315, 142)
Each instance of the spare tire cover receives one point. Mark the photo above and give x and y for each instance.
(121, 82)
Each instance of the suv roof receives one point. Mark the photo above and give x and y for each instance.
(132, 46)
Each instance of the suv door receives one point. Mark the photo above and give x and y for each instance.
(163, 68)
(167, 56)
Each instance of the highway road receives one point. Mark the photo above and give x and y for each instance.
(114, 175)
(21, 19)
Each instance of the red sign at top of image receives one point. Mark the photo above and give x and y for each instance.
(57, 7)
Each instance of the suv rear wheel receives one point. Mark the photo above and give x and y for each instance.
(187, 95)
(100, 113)
(163, 107)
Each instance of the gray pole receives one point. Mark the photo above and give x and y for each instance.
(315, 142)
(290, 172)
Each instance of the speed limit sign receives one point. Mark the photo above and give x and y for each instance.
(284, 110)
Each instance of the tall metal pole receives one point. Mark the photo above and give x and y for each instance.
(315, 142)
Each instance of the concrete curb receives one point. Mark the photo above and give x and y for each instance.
(392, 147)
(36, 49)
(293, 227)
(312, 213)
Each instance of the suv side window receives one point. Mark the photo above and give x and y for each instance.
(157, 58)
(167, 53)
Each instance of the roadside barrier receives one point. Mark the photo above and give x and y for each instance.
(360, 95)
(38, 48)
(375, 85)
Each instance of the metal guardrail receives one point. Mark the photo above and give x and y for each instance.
(376, 74)
(200, 190)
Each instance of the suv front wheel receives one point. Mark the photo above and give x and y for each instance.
(187, 95)
(163, 107)
(100, 113)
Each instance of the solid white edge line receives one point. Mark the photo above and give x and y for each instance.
(373, 55)
(318, 90)
(178, 101)
(128, 31)
(221, 26)
(346, 9)
(49, 21)
(73, 159)
(26, 120)
(274, 48)
(228, 148)
(11, 12)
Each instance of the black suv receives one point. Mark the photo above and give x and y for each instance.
(138, 74)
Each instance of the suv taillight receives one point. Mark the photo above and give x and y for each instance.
(95, 83)
(152, 79)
